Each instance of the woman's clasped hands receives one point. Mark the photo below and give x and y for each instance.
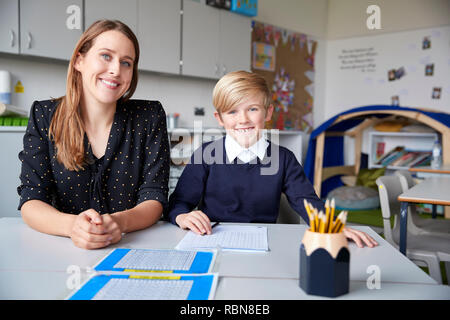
(90, 230)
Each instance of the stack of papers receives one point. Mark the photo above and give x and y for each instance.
(228, 237)
(182, 274)
(135, 274)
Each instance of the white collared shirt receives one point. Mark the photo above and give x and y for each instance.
(235, 150)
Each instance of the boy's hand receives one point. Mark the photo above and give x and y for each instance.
(361, 238)
(196, 221)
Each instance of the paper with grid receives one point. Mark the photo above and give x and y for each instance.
(228, 237)
(140, 259)
(144, 289)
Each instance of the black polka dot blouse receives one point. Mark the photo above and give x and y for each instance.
(135, 167)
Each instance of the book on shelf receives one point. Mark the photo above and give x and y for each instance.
(400, 157)
(399, 161)
(389, 154)
(411, 156)
(422, 160)
(380, 149)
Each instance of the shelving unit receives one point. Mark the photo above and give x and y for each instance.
(414, 141)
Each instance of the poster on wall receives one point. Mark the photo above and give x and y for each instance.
(286, 60)
(263, 56)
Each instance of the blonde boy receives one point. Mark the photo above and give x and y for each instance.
(233, 187)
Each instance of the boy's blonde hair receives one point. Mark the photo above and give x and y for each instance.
(237, 86)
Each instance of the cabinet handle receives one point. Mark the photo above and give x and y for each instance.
(29, 41)
(12, 37)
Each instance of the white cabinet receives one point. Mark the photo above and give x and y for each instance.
(125, 11)
(200, 45)
(215, 41)
(159, 35)
(9, 26)
(50, 28)
(235, 42)
(207, 42)
(413, 142)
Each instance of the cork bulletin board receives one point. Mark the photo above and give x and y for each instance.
(286, 60)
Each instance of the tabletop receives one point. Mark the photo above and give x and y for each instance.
(36, 265)
(47, 285)
(433, 190)
(445, 168)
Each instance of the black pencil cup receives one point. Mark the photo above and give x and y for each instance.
(324, 264)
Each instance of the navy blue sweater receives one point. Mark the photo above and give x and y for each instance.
(241, 192)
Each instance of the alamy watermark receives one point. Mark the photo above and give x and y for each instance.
(73, 21)
(374, 20)
(374, 280)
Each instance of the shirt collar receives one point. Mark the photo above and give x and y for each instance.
(233, 148)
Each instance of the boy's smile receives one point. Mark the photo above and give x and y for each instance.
(245, 120)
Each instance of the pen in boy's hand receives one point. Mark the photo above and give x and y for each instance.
(214, 224)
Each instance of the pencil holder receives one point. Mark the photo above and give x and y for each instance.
(324, 264)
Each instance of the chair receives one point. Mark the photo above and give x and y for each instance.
(416, 224)
(422, 249)
(286, 214)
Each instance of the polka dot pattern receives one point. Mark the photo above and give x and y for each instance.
(135, 167)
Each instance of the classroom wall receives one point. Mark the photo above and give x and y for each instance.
(347, 18)
(306, 16)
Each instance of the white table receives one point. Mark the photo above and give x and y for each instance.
(434, 190)
(34, 265)
(444, 169)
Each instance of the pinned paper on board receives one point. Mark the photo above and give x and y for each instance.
(283, 91)
(263, 56)
(310, 75)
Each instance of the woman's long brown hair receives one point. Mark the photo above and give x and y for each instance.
(66, 127)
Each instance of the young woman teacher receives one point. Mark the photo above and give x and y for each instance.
(95, 164)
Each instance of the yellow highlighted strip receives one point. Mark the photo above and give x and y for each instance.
(157, 271)
(156, 277)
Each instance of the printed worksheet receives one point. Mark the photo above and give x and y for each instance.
(134, 287)
(156, 260)
(228, 237)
